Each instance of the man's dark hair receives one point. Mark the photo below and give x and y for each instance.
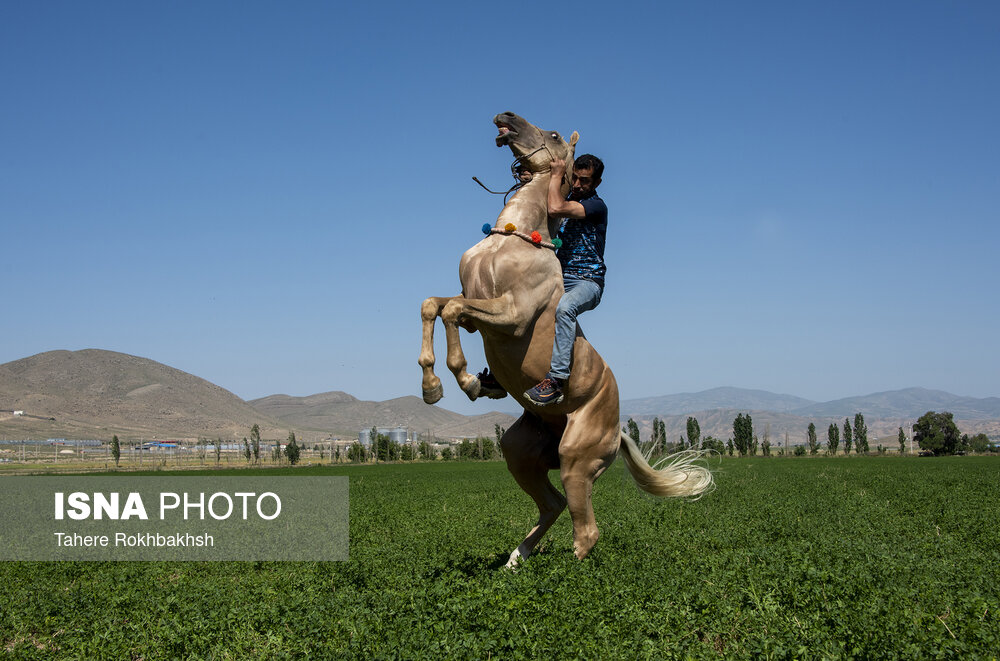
(589, 162)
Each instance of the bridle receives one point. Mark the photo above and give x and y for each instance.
(514, 169)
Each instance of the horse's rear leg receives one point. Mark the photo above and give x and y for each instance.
(429, 312)
(531, 452)
(588, 446)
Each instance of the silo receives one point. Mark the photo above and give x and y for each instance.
(398, 435)
(364, 437)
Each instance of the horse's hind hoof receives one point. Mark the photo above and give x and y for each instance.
(433, 395)
(472, 389)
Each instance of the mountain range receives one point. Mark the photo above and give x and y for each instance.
(95, 393)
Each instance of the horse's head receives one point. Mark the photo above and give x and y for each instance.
(533, 146)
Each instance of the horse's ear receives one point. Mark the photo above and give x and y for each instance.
(573, 139)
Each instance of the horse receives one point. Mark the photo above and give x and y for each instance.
(511, 283)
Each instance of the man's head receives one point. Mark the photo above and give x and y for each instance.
(524, 174)
(587, 171)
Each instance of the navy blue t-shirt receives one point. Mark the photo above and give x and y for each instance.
(582, 251)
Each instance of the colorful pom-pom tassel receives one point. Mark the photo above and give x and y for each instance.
(510, 227)
(536, 237)
(557, 242)
(486, 228)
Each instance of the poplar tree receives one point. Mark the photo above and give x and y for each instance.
(833, 438)
(860, 434)
(632, 429)
(694, 433)
(848, 438)
(292, 449)
(743, 433)
(813, 442)
(255, 443)
(116, 449)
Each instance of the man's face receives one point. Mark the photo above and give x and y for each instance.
(525, 176)
(583, 183)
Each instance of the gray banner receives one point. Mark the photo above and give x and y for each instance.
(174, 518)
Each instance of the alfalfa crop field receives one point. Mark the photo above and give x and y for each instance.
(864, 558)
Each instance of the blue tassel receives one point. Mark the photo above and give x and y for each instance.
(486, 228)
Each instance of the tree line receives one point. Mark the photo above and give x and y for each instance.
(935, 434)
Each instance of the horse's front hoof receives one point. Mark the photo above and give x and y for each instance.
(433, 395)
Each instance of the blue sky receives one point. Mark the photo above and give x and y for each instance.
(803, 197)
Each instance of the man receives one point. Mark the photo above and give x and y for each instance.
(581, 256)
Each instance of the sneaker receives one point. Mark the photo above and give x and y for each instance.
(547, 392)
(489, 386)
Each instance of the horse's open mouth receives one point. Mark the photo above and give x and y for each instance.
(505, 134)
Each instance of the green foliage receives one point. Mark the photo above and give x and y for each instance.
(356, 453)
(658, 439)
(901, 438)
(714, 444)
(385, 449)
(694, 432)
(292, 449)
(812, 439)
(979, 443)
(860, 434)
(743, 433)
(255, 442)
(832, 438)
(426, 451)
(632, 429)
(499, 431)
(116, 449)
(447, 454)
(800, 451)
(247, 453)
(909, 571)
(937, 433)
(848, 436)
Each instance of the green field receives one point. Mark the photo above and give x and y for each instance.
(789, 558)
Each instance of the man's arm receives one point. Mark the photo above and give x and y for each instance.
(559, 206)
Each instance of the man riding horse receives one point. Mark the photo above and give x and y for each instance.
(512, 284)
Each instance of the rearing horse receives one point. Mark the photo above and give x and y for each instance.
(511, 284)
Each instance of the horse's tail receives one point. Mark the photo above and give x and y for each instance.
(678, 476)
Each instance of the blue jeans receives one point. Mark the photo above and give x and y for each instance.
(580, 295)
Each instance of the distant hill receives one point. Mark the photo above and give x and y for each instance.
(344, 414)
(716, 398)
(908, 403)
(95, 394)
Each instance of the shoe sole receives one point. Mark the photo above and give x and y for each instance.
(492, 393)
(550, 402)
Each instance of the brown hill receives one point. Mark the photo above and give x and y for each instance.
(94, 394)
(345, 415)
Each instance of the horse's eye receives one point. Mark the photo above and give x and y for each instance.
(555, 136)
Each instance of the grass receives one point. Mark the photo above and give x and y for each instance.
(789, 558)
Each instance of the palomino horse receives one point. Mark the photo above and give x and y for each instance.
(511, 284)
